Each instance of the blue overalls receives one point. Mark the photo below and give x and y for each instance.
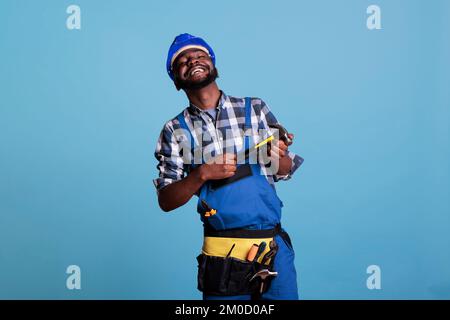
(250, 203)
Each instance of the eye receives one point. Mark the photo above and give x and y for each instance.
(181, 63)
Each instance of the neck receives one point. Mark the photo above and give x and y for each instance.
(206, 97)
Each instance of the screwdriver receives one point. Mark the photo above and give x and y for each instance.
(262, 247)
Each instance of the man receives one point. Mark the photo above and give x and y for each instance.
(246, 254)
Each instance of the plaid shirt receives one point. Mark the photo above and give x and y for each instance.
(230, 118)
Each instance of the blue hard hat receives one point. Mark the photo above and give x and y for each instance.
(183, 42)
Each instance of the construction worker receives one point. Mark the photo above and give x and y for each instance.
(246, 254)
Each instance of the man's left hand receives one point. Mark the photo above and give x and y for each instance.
(279, 148)
(278, 153)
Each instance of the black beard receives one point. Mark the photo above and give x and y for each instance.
(194, 85)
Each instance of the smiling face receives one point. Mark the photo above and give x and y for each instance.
(193, 69)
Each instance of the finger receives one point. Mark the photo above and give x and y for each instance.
(229, 167)
(223, 158)
(282, 145)
(230, 155)
(229, 174)
(230, 158)
(218, 159)
(277, 152)
(274, 151)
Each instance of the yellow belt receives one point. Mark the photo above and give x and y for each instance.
(219, 247)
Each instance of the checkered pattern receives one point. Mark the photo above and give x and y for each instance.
(216, 136)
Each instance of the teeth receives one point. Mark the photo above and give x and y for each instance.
(196, 70)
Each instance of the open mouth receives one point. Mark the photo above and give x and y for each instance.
(196, 70)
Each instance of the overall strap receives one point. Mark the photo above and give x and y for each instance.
(184, 126)
(248, 124)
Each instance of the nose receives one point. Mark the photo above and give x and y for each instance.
(192, 61)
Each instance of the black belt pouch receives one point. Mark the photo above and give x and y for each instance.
(227, 276)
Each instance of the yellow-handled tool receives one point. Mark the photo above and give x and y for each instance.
(265, 141)
(209, 211)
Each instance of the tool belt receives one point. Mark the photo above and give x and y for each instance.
(223, 268)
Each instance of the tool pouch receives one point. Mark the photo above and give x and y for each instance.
(229, 276)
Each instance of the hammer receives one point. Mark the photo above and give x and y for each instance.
(263, 274)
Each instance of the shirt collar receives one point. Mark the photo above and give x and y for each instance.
(223, 103)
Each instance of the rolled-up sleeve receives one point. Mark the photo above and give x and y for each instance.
(170, 163)
(296, 163)
(267, 119)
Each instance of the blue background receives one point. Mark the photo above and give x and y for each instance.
(81, 111)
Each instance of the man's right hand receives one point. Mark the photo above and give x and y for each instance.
(178, 193)
(220, 167)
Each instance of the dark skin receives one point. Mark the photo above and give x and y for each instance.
(194, 65)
